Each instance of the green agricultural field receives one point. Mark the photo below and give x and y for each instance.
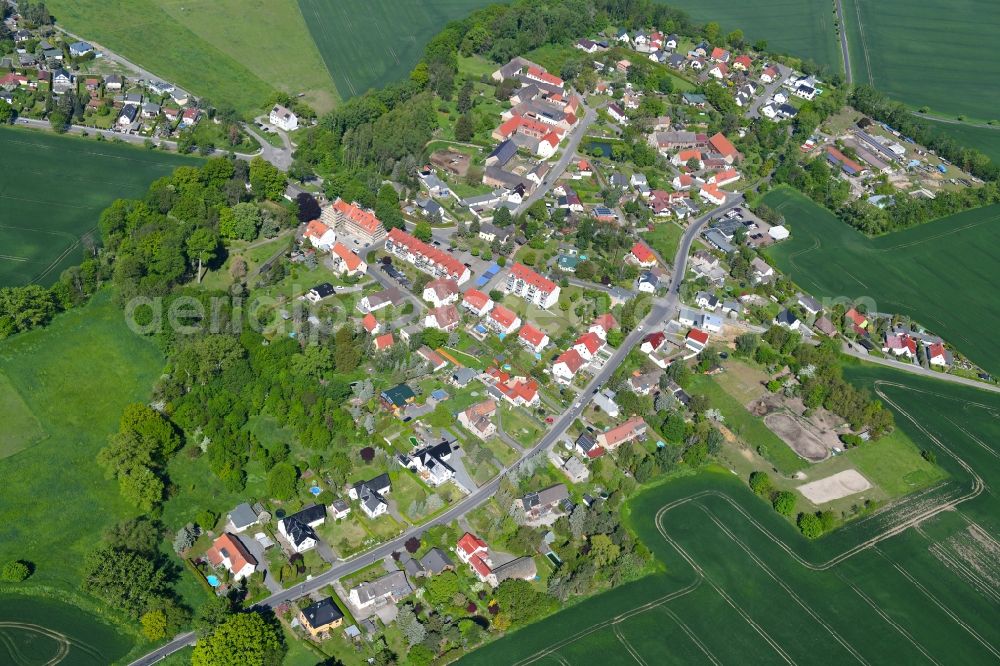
(228, 51)
(912, 583)
(33, 630)
(370, 43)
(908, 50)
(75, 377)
(802, 28)
(54, 192)
(984, 139)
(942, 273)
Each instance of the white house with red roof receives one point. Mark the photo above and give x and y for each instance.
(525, 283)
(641, 255)
(742, 63)
(628, 431)
(383, 342)
(441, 291)
(347, 262)
(444, 318)
(371, 324)
(583, 168)
(533, 338)
(696, 339)
(724, 177)
(602, 325)
(719, 70)
(536, 73)
(477, 302)
(320, 236)
(473, 551)
(900, 344)
(426, 257)
(567, 365)
(684, 181)
(769, 74)
(936, 355)
(587, 346)
(503, 320)
(710, 192)
(229, 552)
(652, 342)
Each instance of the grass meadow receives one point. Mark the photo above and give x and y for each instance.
(228, 51)
(802, 28)
(370, 43)
(74, 378)
(740, 585)
(943, 273)
(58, 187)
(908, 50)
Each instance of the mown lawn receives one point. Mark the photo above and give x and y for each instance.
(76, 376)
(665, 238)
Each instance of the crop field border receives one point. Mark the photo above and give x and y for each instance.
(908, 50)
(913, 272)
(897, 540)
(61, 186)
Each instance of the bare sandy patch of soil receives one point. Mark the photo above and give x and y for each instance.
(834, 487)
(790, 429)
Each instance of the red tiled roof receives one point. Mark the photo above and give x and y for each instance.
(590, 341)
(446, 315)
(583, 165)
(453, 266)
(934, 350)
(685, 155)
(623, 432)
(642, 253)
(856, 317)
(357, 215)
(470, 543)
(572, 359)
(721, 66)
(369, 322)
(726, 175)
(655, 339)
(351, 260)
(315, 229)
(480, 566)
(383, 341)
(718, 52)
(443, 287)
(531, 335)
(698, 335)
(722, 145)
(476, 298)
(522, 272)
(238, 555)
(536, 72)
(595, 451)
(503, 316)
(743, 60)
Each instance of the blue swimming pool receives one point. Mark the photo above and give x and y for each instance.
(213, 580)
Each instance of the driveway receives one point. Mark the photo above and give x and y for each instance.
(769, 89)
(257, 550)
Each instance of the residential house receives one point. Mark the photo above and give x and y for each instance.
(433, 359)
(436, 562)
(587, 345)
(682, 158)
(543, 506)
(711, 323)
(605, 401)
(339, 509)
(298, 528)
(857, 320)
(229, 552)
(346, 262)
(443, 318)
(435, 186)
(503, 153)
(383, 342)
(388, 589)
(723, 146)
(319, 235)
(647, 282)
(938, 355)
(320, 617)
(567, 365)
(787, 319)
(719, 70)
(900, 344)
(396, 399)
(769, 74)
(633, 429)
(742, 63)
(532, 287)
(710, 192)
(574, 470)
(128, 115)
(150, 110)
(426, 257)
(811, 306)
(704, 299)
(478, 419)
(695, 340)
(602, 325)
(641, 255)
(431, 463)
(588, 447)
(62, 81)
(381, 299)
(473, 551)
(477, 302)
(762, 272)
(490, 233)
(533, 338)
(190, 116)
(825, 326)
(319, 292)
(283, 118)
(644, 384)
(371, 495)
(441, 291)
(617, 113)
(242, 518)
(652, 342)
(518, 391)
(502, 320)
